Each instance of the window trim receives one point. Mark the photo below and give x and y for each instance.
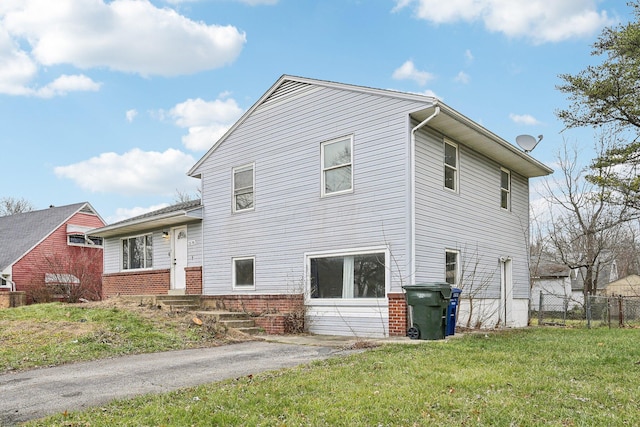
(323, 192)
(456, 169)
(122, 239)
(505, 190)
(235, 286)
(458, 266)
(249, 166)
(343, 253)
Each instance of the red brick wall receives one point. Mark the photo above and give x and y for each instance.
(273, 324)
(194, 280)
(147, 282)
(397, 315)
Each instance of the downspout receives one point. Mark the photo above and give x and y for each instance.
(412, 255)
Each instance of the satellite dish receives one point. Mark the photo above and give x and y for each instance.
(527, 142)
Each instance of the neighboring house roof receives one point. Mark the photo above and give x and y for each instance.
(445, 120)
(173, 215)
(20, 233)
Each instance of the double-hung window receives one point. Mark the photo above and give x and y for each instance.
(505, 189)
(452, 267)
(137, 252)
(243, 179)
(451, 166)
(337, 162)
(348, 276)
(244, 273)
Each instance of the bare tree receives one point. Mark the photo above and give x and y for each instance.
(70, 277)
(476, 277)
(12, 205)
(184, 196)
(627, 250)
(583, 226)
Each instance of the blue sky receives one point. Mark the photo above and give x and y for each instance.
(112, 102)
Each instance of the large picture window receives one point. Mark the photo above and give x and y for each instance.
(243, 273)
(350, 276)
(243, 178)
(451, 166)
(137, 252)
(337, 161)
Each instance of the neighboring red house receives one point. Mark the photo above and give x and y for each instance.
(50, 252)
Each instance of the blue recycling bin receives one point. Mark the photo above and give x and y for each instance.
(452, 311)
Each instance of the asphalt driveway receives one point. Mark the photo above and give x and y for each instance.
(40, 392)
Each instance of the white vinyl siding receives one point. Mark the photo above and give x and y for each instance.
(293, 218)
(469, 222)
(161, 250)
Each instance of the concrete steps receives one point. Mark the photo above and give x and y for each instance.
(232, 320)
(180, 302)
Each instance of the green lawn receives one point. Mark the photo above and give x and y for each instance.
(51, 334)
(534, 377)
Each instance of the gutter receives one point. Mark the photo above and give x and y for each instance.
(412, 207)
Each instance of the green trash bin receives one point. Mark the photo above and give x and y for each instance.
(429, 302)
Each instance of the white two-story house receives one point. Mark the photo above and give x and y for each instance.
(337, 196)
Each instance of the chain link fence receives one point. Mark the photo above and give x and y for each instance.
(612, 311)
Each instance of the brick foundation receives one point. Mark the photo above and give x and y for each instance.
(273, 324)
(194, 280)
(397, 315)
(149, 282)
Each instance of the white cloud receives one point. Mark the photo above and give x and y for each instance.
(126, 213)
(65, 84)
(468, 55)
(131, 36)
(462, 77)
(540, 21)
(131, 114)
(432, 94)
(408, 71)
(16, 67)
(207, 121)
(524, 119)
(135, 172)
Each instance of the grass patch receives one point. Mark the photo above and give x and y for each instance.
(52, 334)
(541, 376)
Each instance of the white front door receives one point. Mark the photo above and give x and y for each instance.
(506, 291)
(179, 252)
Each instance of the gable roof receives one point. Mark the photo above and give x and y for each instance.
(180, 213)
(446, 121)
(19, 233)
